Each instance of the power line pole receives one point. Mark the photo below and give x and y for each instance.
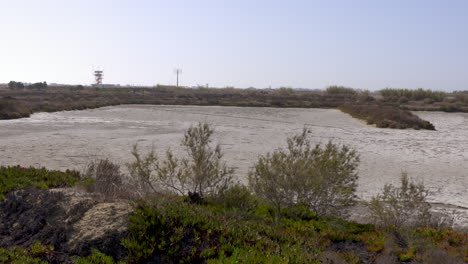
(177, 72)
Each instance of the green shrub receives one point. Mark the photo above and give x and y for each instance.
(18, 256)
(415, 95)
(321, 178)
(401, 206)
(16, 178)
(408, 255)
(172, 231)
(41, 254)
(235, 197)
(202, 172)
(96, 257)
(340, 90)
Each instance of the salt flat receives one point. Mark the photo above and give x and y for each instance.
(71, 139)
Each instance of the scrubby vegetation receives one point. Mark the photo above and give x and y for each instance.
(17, 177)
(403, 206)
(385, 116)
(321, 178)
(229, 224)
(405, 95)
(53, 99)
(11, 108)
(201, 172)
(171, 230)
(341, 90)
(21, 102)
(427, 100)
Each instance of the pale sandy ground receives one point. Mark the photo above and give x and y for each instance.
(71, 139)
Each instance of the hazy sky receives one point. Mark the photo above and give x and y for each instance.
(369, 44)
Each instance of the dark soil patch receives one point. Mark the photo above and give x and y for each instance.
(35, 215)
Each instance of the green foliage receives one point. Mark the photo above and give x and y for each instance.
(33, 255)
(16, 178)
(236, 196)
(454, 242)
(341, 90)
(401, 206)
(202, 172)
(408, 255)
(37, 86)
(375, 241)
(15, 85)
(37, 249)
(96, 257)
(414, 95)
(40, 254)
(321, 178)
(351, 258)
(18, 256)
(172, 231)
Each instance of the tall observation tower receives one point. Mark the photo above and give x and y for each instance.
(98, 77)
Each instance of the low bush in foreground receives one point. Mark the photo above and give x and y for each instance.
(386, 116)
(401, 206)
(322, 178)
(17, 177)
(203, 171)
(173, 231)
(40, 254)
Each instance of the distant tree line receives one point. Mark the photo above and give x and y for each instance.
(19, 85)
(404, 95)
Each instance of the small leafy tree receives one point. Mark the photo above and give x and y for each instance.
(403, 206)
(202, 172)
(323, 178)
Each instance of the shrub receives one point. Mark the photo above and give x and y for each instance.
(10, 108)
(404, 206)
(203, 172)
(107, 178)
(364, 97)
(321, 178)
(96, 257)
(18, 255)
(171, 231)
(386, 116)
(235, 197)
(438, 256)
(416, 95)
(403, 100)
(17, 177)
(340, 90)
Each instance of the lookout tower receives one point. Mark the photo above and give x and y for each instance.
(98, 75)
